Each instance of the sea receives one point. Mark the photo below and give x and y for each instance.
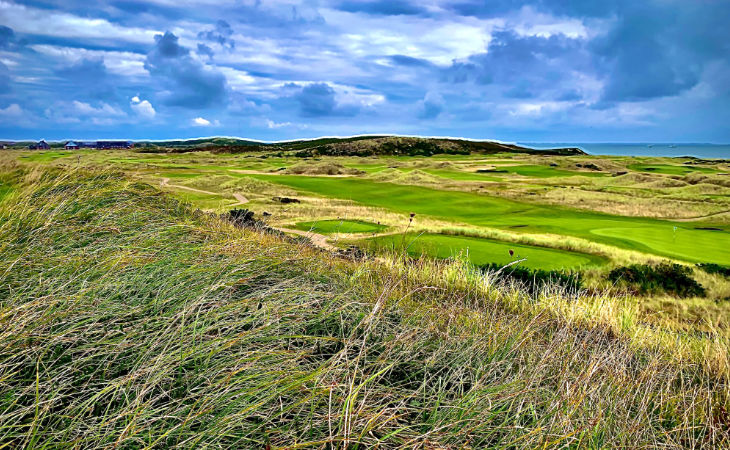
(707, 151)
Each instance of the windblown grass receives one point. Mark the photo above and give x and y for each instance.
(128, 319)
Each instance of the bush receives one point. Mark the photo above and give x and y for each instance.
(715, 269)
(534, 280)
(666, 277)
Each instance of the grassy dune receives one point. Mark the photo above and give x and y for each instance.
(128, 319)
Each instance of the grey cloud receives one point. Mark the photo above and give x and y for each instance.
(221, 34)
(185, 81)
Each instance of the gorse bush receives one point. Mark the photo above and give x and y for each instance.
(534, 280)
(129, 320)
(715, 269)
(674, 279)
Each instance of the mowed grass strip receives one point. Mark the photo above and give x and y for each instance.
(482, 251)
(664, 238)
(340, 226)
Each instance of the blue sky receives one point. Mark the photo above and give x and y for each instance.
(543, 70)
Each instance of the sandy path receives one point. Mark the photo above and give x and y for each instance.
(240, 198)
(318, 240)
(166, 183)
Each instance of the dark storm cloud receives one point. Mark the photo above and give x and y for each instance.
(185, 81)
(652, 52)
(317, 100)
(525, 66)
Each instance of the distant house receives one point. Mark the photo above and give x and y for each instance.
(114, 144)
(41, 145)
(87, 144)
(71, 145)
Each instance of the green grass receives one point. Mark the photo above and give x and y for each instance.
(204, 201)
(481, 251)
(648, 235)
(48, 156)
(129, 320)
(340, 226)
(537, 171)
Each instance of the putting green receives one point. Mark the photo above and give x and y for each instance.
(340, 226)
(481, 251)
(647, 235)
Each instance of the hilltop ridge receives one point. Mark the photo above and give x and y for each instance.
(354, 146)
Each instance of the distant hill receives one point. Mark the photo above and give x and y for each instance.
(352, 146)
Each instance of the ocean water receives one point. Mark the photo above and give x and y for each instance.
(709, 151)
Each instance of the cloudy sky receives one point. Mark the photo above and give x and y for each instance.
(542, 70)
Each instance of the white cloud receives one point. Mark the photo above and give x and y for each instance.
(46, 22)
(142, 107)
(11, 111)
(273, 125)
(104, 109)
(78, 112)
(202, 122)
(118, 62)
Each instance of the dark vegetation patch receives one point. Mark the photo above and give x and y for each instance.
(534, 280)
(674, 279)
(715, 269)
(286, 200)
(492, 171)
(590, 166)
(709, 228)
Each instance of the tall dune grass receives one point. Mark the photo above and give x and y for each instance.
(128, 319)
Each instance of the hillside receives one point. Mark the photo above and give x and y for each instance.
(353, 146)
(129, 319)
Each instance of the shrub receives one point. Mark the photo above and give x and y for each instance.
(715, 269)
(666, 277)
(534, 280)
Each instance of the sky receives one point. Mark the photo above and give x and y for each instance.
(527, 71)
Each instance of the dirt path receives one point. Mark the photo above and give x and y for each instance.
(166, 183)
(242, 200)
(318, 240)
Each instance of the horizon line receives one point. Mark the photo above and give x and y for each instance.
(282, 141)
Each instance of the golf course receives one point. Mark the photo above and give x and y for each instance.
(248, 278)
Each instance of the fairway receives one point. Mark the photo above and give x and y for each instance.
(648, 235)
(480, 251)
(340, 226)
